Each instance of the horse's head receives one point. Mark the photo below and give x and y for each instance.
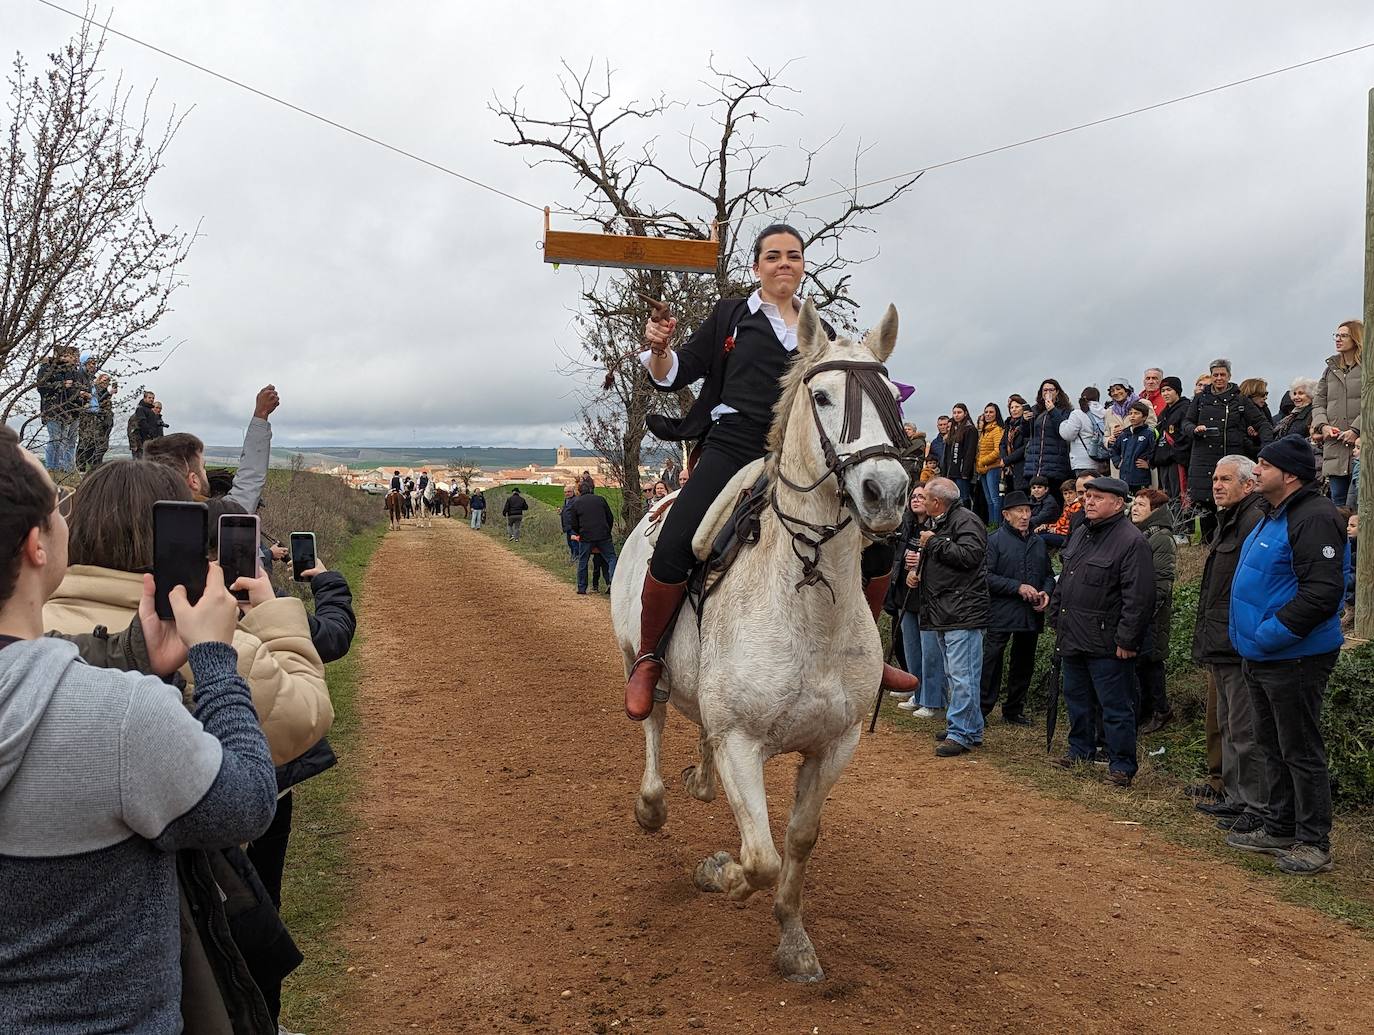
(838, 416)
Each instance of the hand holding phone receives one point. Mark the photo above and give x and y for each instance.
(166, 652)
(212, 618)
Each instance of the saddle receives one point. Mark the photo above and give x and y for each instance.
(731, 523)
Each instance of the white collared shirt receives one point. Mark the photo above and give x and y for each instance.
(787, 337)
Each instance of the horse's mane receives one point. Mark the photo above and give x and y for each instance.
(793, 381)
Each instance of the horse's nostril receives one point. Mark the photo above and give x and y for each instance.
(873, 492)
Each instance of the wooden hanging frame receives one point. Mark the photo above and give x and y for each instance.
(627, 252)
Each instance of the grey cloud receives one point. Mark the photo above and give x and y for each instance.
(388, 301)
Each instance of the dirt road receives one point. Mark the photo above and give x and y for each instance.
(502, 884)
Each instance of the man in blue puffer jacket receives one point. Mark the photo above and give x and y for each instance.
(1285, 623)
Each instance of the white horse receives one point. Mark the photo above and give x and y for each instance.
(788, 658)
(420, 506)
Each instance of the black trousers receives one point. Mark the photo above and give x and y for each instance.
(268, 856)
(1019, 672)
(732, 444)
(1287, 696)
(1154, 694)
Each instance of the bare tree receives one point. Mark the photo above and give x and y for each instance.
(465, 471)
(82, 263)
(627, 187)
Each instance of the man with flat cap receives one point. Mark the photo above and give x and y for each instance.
(1100, 610)
(1285, 624)
(1019, 584)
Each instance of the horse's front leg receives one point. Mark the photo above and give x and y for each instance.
(796, 957)
(739, 767)
(650, 810)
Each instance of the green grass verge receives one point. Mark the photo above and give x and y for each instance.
(318, 880)
(1157, 803)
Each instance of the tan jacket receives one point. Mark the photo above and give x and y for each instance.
(276, 657)
(1337, 401)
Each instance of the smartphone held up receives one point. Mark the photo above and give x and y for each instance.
(238, 549)
(303, 556)
(181, 533)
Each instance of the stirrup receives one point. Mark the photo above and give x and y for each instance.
(660, 695)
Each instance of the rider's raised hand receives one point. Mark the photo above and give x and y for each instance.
(657, 333)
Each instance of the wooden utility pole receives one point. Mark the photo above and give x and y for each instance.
(1364, 572)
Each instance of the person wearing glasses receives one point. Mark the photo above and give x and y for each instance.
(1336, 409)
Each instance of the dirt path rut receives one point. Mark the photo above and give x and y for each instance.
(502, 884)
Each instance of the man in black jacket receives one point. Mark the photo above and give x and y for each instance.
(565, 519)
(1215, 425)
(1019, 583)
(1239, 510)
(954, 609)
(514, 513)
(1101, 610)
(142, 424)
(591, 521)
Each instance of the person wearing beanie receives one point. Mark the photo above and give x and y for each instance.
(1172, 450)
(1285, 623)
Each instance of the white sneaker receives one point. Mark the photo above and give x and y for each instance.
(899, 695)
(910, 704)
(924, 713)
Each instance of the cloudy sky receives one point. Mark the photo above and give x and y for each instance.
(394, 305)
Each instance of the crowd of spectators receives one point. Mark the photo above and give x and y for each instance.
(1111, 489)
(146, 796)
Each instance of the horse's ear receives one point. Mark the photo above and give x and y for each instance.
(811, 336)
(881, 340)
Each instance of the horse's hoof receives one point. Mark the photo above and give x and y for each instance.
(798, 962)
(691, 785)
(651, 815)
(710, 872)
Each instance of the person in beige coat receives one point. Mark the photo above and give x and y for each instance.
(112, 544)
(1336, 409)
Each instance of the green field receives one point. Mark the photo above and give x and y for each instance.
(553, 495)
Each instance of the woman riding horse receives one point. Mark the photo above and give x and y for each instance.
(742, 350)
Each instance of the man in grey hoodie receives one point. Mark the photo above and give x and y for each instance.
(103, 775)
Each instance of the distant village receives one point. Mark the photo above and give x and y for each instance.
(566, 468)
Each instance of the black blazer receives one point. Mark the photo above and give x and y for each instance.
(703, 355)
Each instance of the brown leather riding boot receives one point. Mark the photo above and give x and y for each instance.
(875, 590)
(658, 603)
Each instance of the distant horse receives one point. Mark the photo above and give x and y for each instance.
(442, 499)
(461, 500)
(417, 504)
(393, 507)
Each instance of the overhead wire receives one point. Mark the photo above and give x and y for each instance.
(791, 205)
(298, 109)
(1058, 132)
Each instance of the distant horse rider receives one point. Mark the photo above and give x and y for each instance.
(733, 412)
(396, 481)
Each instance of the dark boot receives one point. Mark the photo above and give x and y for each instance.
(875, 590)
(658, 603)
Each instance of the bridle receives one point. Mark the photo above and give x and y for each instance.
(862, 378)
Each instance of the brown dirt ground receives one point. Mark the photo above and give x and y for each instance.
(502, 884)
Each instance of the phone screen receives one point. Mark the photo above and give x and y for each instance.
(180, 536)
(238, 549)
(302, 553)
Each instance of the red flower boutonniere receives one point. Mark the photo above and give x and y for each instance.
(729, 345)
